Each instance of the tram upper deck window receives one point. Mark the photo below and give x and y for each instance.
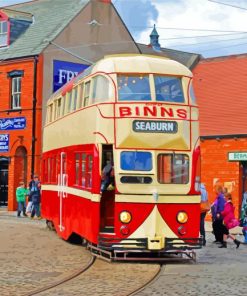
(173, 168)
(101, 89)
(86, 93)
(168, 89)
(192, 94)
(133, 88)
(136, 161)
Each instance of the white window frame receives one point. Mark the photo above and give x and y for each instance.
(3, 33)
(16, 92)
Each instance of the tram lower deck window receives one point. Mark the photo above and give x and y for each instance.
(136, 180)
(136, 161)
(173, 168)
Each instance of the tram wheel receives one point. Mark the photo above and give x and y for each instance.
(50, 225)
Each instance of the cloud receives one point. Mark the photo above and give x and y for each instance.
(10, 2)
(198, 14)
(137, 14)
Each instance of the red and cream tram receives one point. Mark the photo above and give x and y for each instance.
(138, 114)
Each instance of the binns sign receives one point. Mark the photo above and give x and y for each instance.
(63, 72)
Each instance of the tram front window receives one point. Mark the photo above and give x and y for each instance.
(133, 88)
(136, 161)
(173, 168)
(168, 89)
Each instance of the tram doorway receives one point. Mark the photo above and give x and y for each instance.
(107, 202)
(244, 181)
(4, 172)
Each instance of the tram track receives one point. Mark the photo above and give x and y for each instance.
(63, 281)
(103, 278)
(149, 283)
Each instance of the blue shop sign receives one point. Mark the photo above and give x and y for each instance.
(63, 72)
(16, 123)
(4, 142)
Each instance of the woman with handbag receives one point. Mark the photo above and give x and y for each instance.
(229, 222)
(205, 207)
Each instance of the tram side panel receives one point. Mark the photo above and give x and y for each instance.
(80, 206)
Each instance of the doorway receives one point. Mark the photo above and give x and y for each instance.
(4, 172)
(244, 180)
(107, 201)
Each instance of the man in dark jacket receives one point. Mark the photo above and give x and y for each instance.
(34, 189)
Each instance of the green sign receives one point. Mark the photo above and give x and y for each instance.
(237, 156)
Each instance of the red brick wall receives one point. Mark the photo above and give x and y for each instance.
(216, 167)
(21, 137)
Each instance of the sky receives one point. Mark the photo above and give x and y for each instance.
(207, 27)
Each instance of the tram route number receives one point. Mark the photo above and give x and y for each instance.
(151, 126)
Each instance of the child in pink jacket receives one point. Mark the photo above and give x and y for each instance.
(229, 221)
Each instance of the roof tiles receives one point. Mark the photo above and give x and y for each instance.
(221, 90)
(50, 18)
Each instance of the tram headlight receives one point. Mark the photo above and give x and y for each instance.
(125, 217)
(182, 217)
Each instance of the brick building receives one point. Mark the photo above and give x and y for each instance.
(220, 87)
(41, 45)
(44, 44)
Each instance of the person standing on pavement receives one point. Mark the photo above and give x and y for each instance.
(21, 193)
(229, 222)
(205, 207)
(34, 189)
(216, 209)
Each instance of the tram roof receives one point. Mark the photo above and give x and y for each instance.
(135, 63)
(139, 63)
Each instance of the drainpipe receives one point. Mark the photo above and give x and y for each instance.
(34, 114)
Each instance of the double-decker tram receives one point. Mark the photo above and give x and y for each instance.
(121, 159)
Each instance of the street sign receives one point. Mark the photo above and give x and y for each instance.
(237, 156)
(4, 142)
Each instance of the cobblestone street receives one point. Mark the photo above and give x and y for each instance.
(33, 257)
(217, 272)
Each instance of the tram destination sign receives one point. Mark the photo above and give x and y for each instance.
(153, 126)
(237, 156)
